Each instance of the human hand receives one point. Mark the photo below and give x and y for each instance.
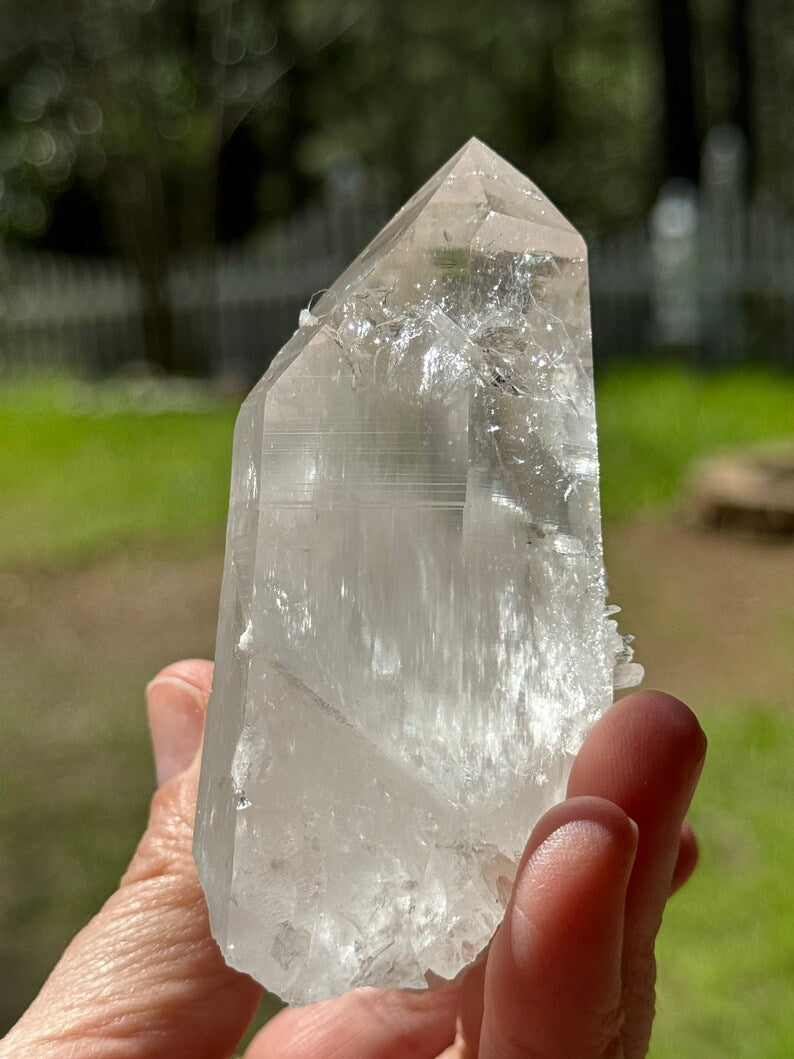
(570, 972)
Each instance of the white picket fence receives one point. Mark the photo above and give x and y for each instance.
(230, 316)
(708, 273)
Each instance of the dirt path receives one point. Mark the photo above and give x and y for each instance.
(713, 615)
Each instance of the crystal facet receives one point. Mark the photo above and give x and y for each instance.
(413, 636)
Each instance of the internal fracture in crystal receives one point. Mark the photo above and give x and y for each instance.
(413, 637)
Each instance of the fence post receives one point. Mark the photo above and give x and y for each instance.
(723, 243)
(674, 253)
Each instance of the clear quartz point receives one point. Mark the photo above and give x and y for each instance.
(413, 636)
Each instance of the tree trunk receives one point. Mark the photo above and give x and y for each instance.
(138, 207)
(740, 60)
(158, 318)
(681, 142)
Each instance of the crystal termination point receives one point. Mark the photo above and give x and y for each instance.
(413, 638)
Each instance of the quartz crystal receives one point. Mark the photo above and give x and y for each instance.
(413, 636)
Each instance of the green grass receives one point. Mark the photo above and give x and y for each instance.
(85, 472)
(653, 421)
(81, 473)
(726, 952)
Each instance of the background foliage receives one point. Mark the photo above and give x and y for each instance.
(142, 114)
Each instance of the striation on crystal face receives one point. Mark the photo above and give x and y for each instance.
(413, 637)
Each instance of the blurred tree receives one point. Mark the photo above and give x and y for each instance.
(138, 99)
(548, 83)
(740, 36)
(681, 137)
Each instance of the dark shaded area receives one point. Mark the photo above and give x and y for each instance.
(77, 225)
(680, 134)
(740, 47)
(239, 169)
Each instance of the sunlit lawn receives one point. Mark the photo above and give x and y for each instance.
(726, 953)
(76, 483)
(79, 478)
(654, 421)
(80, 481)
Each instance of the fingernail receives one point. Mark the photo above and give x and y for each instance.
(176, 722)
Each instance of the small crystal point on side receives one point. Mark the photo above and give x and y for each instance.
(413, 638)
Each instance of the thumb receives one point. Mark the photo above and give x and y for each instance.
(144, 978)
